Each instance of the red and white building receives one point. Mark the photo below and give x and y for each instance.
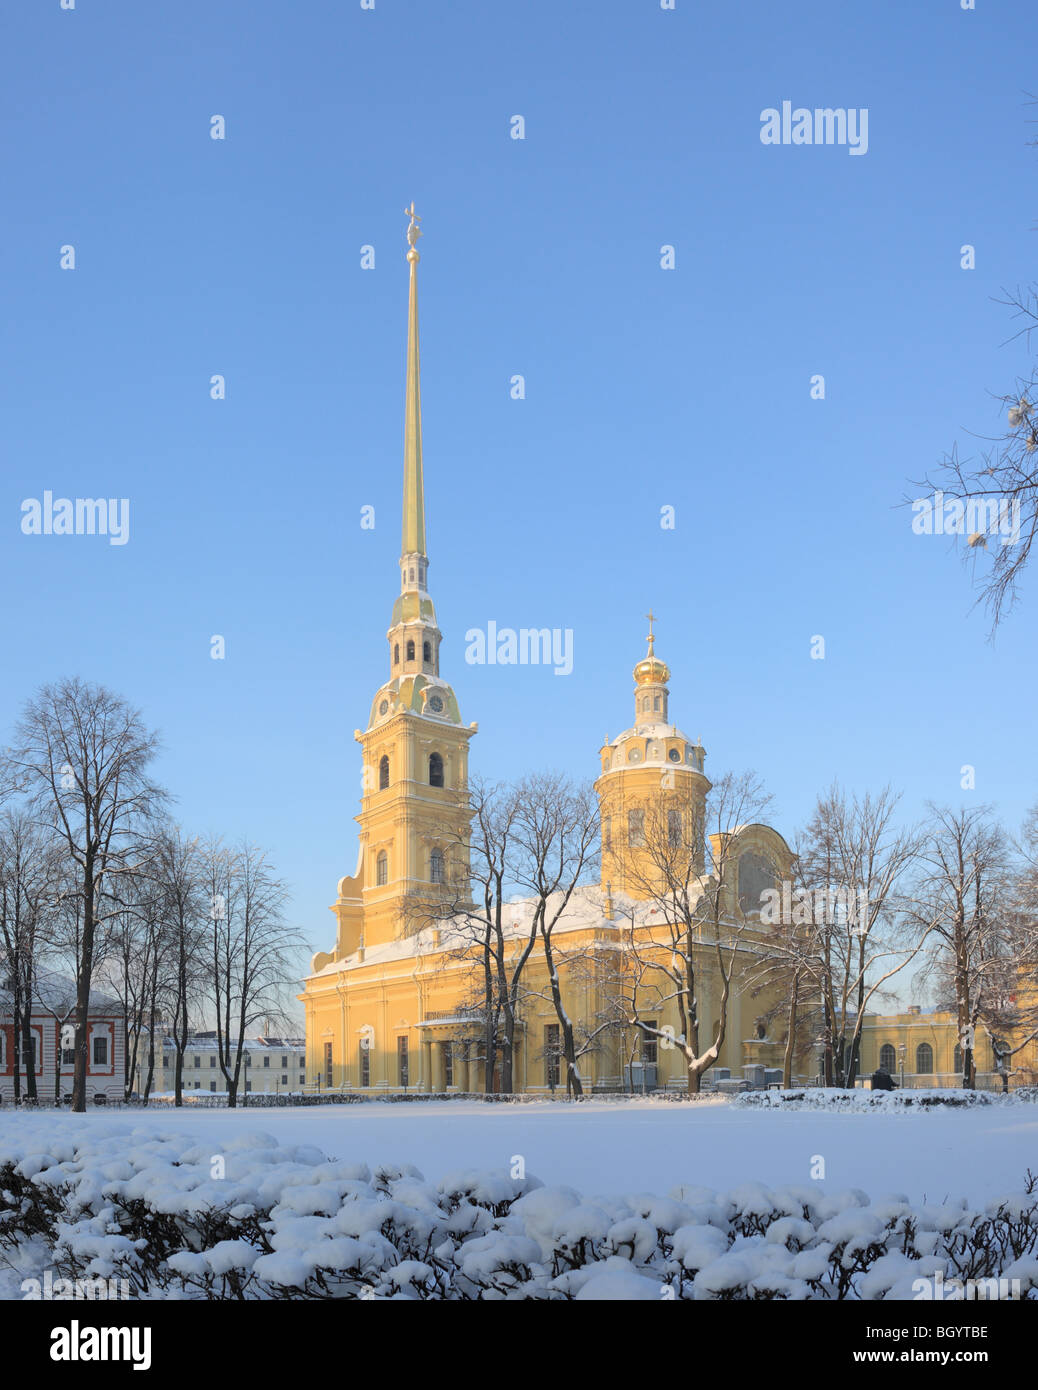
(53, 1062)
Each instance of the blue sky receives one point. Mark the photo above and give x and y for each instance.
(645, 387)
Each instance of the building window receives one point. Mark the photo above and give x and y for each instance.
(551, 1055)
(165, 1060)
(381, 869)
(401, 1061)
(212, 1085)
(435, 770)
(887, 1057)
(924, 1059)
(248, 1060)
(448, 1064)
(284, 1079)
(248, 1085)
(656, 702)
(383, 773)
(607, 832)
(396, 653)
(649, 1044)
(427, 652)
(68, 1057)
(212, 1059)
(436, 866)
(635, 828)
(328, 1078)
(266, 1061)
(198, 1085)
(198, 1060)
(410, 651)
(100, 1052)
(365, 1062)
(284, 1061)
(957, 1060)
(673, 829)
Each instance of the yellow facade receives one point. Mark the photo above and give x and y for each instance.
(391, 1006)
(923, 1048)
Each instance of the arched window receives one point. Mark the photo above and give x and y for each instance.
(427, 652)
(635, 828)
(887, 1057)
(396, 653)
(957, 1060)
(436, 866)
(411, 575)
(410, 651)
(656, 702)
(645, 702)
(383, 773)
(382, 869)
(607, 832)
(674, 829)
(924, 1059)
(435, 770)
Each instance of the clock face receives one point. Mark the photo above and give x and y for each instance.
(435, 704)
(634, 756)
(674, 755)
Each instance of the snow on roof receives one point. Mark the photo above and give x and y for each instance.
(585, 909)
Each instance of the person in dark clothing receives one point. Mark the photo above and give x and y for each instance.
(882, 1080)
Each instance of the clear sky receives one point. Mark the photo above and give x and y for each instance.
(645, 387)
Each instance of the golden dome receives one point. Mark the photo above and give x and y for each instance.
(651, 671)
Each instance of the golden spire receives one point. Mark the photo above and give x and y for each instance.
(413, 540)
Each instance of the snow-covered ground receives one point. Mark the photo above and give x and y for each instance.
(648, 1146)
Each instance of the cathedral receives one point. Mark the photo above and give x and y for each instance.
(390, 1008)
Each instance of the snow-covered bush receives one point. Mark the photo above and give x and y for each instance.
(265, 1221)
(832, 1098)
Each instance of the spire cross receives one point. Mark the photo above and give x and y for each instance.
(413, 231)
(652, 618)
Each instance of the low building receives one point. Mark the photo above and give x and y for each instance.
(53, 1056)
(269, 1066)
(922, 1045)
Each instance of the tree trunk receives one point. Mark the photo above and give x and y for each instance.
(28, 1056)
(86, 965)
(791, 1033)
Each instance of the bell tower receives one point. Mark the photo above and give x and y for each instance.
(415, 814)
(651, 789)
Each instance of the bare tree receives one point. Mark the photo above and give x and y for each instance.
(851, 863)
(28, 889)
(555, 835)
(960, 901)
(252, 952)
(82, 756)
(179, 870)
(689, 923)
